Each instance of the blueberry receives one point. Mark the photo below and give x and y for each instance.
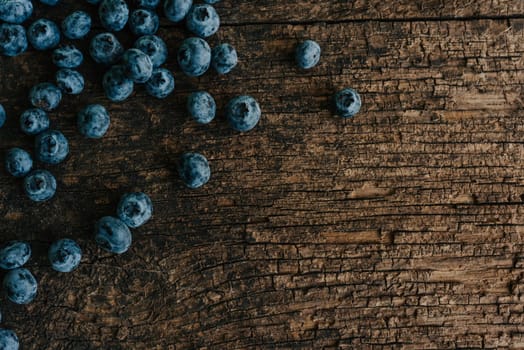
(194, 170)
(51, 147)
(194, 57)
(105, 48)
(18, 162)
(70, 81)
(3, 116)
(64, 255)
(243, 113)
(20, 286)
(49, 2)
(93, 121)
(143, 22)
(113, 235)
(176, 10)
(43, 34)
(154, 47)
(201, 107)
(14, 255)
(13, 39)
(137, 65)
(307, 54)
(77, 25)
(8, 340)
(147, 4)
(40, 185)
(113, 14)
(224, 58)
(161, 83)
(33, 121)
(135, 209)
(347, 103)
(15, 11)
(202, 20)
(45, 96)
(117, 85)
(67, 56)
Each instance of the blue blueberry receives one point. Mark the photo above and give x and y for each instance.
(51, 147)
(105, 48)
(40, 185)
(194, 57)
(14, 255)
(20, 286)
(49, 2)
(307, 54)
(176, 10)
(70, 81)
(93, 121)
(33, 121)
(113, 14)
(18, 163)
(15, 11)
(137, 65)
(67, 56)
(8, 340)
(203, 20)
(194, 170)
(147, 4)
(201, 107)
(143, 22)
(77, 25)
(43, 34)
(135, 209)
(161, 83)
(64, 255)
(224, 58)
(117, 85)
(45, 96)
(113, 235)
(3, 116)
(13, 39)
(243, 113)
(154, 47)
(347, 103)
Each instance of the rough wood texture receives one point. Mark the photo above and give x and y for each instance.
(400, 228)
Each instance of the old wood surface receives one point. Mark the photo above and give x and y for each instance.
(400, 228)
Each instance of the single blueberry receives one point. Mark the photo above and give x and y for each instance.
(137, 65)
(105, 48)
(70, 81)
(194, 57)
(194, 170)
(8, 340)
(64, 255)
(40, 185)
(18, 162)
(203, 20)
(147, 4)
(3, 116)
(224, 58)
(45, 96)
(201, 107)
(43, 34)
(51, 147)
(93, 121)
(161, 83)
(154, 47)
(33, 121)
(307, 54)
(15, 11)
(13, 39)
(67, 56)
(176, 10)
(14, 255)
(113, 235)
(143, 22)
(347, 103)
(243, 113)
(20, 286)
(77, 25)
(117, 85)
(113, 14)
(49, 2)
(135, 209)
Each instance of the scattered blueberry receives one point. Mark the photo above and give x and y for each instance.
(147, 4)
(3, 116)
(202, 20)
(176, 10)
(194, 57)
(307, 54)
(161, 83)
(117, 85)
(113, 235)
(43, 34)
(93, 121)
(194, 170)
(15, 11)
(64, 255)
(49, 2)
(13, 39)
(14, 255)
(347, 103)
(243, 113)
(137, 65)
(201, 107)
(113, 14)
(20, 286)
(18, 163)
(40, 185)
(45, 96)
(105, 48)
(154, 47)
(143, 22)
(224, 58)
(51, 147)
(70, 81)
(67, 56)
(135, 209)
(33, 121)
(77, 25)
(8, 340)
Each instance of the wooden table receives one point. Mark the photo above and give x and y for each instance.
(400, 228)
